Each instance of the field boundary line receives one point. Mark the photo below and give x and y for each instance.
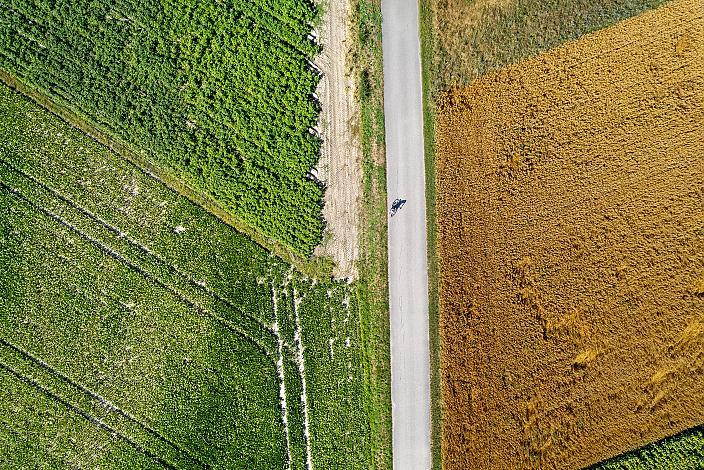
(105, 403)
(313, 267)
(97, 422)
(118, 257)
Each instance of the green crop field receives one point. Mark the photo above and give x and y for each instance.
(137, 330)
(683, 451)
(218, 94)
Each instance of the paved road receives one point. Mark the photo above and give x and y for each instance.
(408, 269)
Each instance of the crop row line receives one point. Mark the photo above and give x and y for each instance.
(281, 379)
(108, 405)
(293, 379)
(300, 362)
(94, 420)
(281, 344)
(132, 266)
(160, 261)
(144, 249)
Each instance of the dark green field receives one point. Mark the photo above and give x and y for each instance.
(217, 95)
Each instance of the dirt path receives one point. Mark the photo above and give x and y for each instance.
(340, 162)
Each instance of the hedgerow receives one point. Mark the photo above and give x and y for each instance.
(219, 94)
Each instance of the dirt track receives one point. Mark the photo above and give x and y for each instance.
(340, 162)
(571, 215)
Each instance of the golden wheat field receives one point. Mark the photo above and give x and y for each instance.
(571, 240)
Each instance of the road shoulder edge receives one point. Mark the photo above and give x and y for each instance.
(427, 47)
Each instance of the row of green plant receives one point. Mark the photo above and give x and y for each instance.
(684, 451)
(136, 320)
(37, 414)
(90, 318)
(217, 94)
(427, 51)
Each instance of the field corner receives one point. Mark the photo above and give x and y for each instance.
(314, 267)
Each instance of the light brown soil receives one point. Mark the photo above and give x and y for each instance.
(571, 239)
(340, 162)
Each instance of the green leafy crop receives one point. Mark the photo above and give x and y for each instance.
(218, 93)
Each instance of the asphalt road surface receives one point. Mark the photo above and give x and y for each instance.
(408, 268)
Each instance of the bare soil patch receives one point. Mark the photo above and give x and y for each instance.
(340, 163)
(571, 242)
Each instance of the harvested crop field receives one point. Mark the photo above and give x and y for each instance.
(571, 239)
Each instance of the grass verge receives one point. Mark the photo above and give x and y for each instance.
(373, 265)
(427, 45)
